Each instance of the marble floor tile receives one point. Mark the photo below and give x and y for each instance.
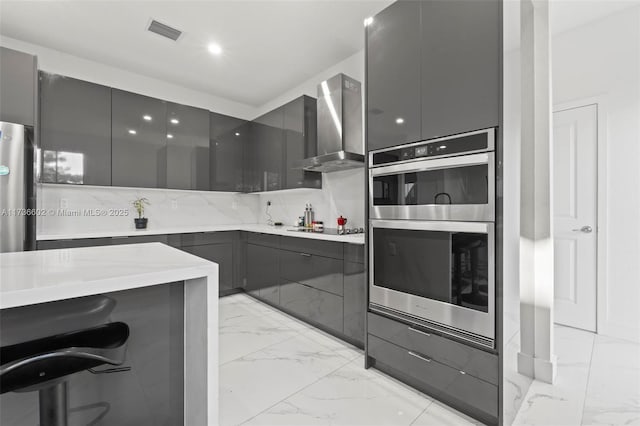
(250, 335)
(438, 414)
(613, 393)
(340, 347)
(255, 382)
(350, 395)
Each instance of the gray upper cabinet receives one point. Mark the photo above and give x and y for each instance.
(187, 137)
(228, 139)
(18, 87)
(75, 131)
(139, 140)
(393, 76)
(300, 142)
(266, 152)
(461, 63)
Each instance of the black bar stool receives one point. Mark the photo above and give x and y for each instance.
(44, 364)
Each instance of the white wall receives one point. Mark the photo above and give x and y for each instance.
(602, 59)
(57, 62)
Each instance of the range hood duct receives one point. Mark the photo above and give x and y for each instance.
(340, 144)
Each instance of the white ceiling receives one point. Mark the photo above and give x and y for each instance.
(269, 46)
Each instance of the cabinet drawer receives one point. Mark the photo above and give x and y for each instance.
(354, 253)
(263, 239)
(323, 273)
(203, 238)
(447, 382)
(309, 246)
(312, 304)
(473, 361)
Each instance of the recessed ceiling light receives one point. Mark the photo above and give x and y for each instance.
(399, 120)
(214, 49)
(443, 146)
(133, 132)
(169, 136)
(147, 117)
(237, 134)
(368, 21)
(174, 121)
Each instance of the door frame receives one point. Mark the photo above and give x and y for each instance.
(601, 197)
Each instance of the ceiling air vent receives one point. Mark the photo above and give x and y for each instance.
(164, 30)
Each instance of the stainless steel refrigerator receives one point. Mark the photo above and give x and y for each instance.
(17, 188)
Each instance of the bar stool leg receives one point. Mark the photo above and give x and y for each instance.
(53, 405)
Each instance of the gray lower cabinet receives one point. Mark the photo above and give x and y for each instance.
(187, 137)
(228, 138)
(355, 300)
(462, 376)
(322, 273)
(18, 87)
(222, 254)
(316, 306)
(107, 241)
(455, 387)
(75, 131)
(263, 272)
(139, 140)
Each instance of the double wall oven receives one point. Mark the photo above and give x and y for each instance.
(432, 234)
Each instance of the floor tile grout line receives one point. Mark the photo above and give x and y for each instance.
(298, 391)
(586, 389)
(422, 412)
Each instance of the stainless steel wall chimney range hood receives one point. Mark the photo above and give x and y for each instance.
(340, 144)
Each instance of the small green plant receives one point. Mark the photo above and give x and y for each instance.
(139, 206)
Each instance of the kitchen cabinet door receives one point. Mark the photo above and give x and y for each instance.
(18, 87)
(461, 63)
(263, 276)
(266, 153)
(355, 301)
(393, 76)
(187, 136)
(300, 142)
(75, 131)
(222, 254)
(227, 142)
(139, 140)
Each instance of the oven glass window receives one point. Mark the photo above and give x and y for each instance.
(451, 267)
(459, 185)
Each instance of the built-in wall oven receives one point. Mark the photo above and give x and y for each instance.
(432, 234)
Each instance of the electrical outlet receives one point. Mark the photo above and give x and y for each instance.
(64, 203)
(174, 204)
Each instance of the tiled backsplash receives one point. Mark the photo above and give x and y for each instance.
(74, 206)
(342, 194)
(167, 208)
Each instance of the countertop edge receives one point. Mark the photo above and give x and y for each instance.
(258, 228)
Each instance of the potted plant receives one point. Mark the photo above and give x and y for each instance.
(138, 204)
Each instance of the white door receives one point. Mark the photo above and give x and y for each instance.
(575, 196)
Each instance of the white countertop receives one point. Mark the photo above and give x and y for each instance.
(43, 276)
(276, 230)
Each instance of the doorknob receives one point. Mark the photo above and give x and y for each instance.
(585, 229)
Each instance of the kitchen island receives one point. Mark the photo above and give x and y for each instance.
(41, 277)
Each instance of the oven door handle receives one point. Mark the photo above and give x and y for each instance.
(435, 164)
(435, 225)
